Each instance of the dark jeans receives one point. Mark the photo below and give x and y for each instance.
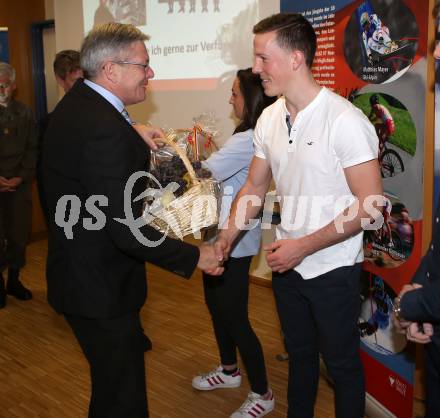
(227, 300)
(320, 315)
(114, 349)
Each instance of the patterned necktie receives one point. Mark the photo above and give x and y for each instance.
(126, 116)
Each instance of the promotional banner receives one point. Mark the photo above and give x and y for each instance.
(373, 52)
(4, 45)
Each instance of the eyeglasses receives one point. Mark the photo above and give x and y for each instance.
(144, 66)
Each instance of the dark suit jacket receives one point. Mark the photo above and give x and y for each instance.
(423, 305)
(90, 149)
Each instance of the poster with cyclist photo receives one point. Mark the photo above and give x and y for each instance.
(381, 40)
(392, 244)
(375, 324)
(390, 365)
(394, 127)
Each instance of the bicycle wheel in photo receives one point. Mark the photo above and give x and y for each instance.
(391, 164)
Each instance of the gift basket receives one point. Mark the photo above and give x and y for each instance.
(200, 137)
(182, 196)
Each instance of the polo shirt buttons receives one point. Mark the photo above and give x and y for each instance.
(436, 220)
(427, 275)
(290, 141)
(432, 247)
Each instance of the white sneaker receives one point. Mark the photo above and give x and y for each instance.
(255, 407)
(217, 379)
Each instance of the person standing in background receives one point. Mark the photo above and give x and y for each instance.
(18, 154)
(67, 70)
(227, 295)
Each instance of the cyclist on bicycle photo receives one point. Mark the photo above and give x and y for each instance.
(382, 120)
(375, 36)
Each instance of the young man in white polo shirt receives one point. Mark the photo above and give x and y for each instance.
(322, 154)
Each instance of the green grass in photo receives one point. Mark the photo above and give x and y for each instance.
(404, 136)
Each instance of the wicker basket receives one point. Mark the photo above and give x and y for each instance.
(196, 209)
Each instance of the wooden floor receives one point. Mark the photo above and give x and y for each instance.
(43, 372)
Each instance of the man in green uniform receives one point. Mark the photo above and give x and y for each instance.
(18, 141)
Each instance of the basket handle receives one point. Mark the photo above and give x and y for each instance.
(168, 139)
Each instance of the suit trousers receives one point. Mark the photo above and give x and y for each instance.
(432, 375)
(321, 315)
(15, 223)
(114, 349)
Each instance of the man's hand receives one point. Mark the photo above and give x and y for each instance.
(409, 288)
(413, 330)
(152, 136)
(9, 185)
(221, 248)
(4, 185)
(419, 333)
(208, 261)
(402, 324)
(285, 254)
(14, 182)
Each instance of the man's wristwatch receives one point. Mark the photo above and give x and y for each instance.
(396, 308)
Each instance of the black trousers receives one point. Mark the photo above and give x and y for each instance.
(15, 223)
(432, 376)
(227, 300)
(320, 315)
(114, 349)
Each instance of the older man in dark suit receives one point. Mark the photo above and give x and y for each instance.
(95, 266)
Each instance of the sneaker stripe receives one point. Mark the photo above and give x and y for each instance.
(220, 379)
(252, 414)
(258, 408)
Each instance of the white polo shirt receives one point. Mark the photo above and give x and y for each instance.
(330, 134)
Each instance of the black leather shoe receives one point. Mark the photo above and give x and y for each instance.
(15, 288)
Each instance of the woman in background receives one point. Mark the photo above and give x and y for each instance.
(227, 295)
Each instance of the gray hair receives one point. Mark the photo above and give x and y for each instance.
(7, 70)
(110, 41)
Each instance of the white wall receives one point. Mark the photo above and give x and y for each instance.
(48, 9)
(52, 93)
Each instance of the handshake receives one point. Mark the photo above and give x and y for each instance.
(212, 257)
